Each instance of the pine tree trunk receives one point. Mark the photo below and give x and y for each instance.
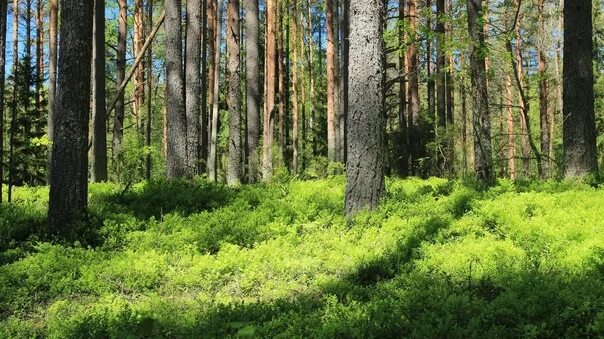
(213, 141)
(543, 96)
(11, 142)
(149, 120)
(253, 88)
(139, 74)
(441, 90)
(3, 25)
(280, 82)
(366, 125)
(175, 105)
(331, 83)
(509, 102)
(202, 149)
(415, 127)
(403, 144)
(579, 117)
(193, 82)
(270, 76)
(118, 121)
(295, 88)
(69, 182)
(52, 78)
(99, 114)
(483, 162)
(234, 94)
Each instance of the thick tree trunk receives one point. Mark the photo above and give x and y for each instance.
(118, 120)
(3, 25)
(99, 113)
(483, 162)
(52, 77)
(366, 125)
(269, 105)
(69, 182)
(193, 81)
(213, 136)
(253, 88)
(579, 117)
(331, 82)
(234, 94)
(175, 105)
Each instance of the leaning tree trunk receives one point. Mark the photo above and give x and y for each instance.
(253, 88)
(579, 118)
(483, 162)
(118, 120)
(99, 113)
(193, 81)
(366, 123)
(3, 18)
(69, 182)
(234, 94)
(175, 106)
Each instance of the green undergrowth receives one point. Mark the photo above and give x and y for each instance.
(190, 259)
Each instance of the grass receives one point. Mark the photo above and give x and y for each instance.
(181, 259)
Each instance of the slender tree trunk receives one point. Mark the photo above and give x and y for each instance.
(280, 82)
(99, 113)
(295, 102)
(139, 74)
(464, 127)
(52, 78)
(483, 163)
(13, 126)
(3, 25)
(175, 105)
(234, 94)
(148, 127)
(212, 29)
(345, 27)
(509, 102)
(331, 82)
(118, 121)
(450, 89)
(193, 82)
(253, 88)
(579, 117)
(441, 90)
(543, 95)
(402, 154)
(213, 154)
(415, 128)
(39, 58)
(202, 154)
(366, 125)
(525, 142)
(430, 74)
(311, 76)
(269, 113)
(69, 182)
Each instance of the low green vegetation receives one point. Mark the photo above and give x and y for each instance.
(180, 259)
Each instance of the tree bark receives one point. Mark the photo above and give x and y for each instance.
(213, 140)
(295, 89)
(234, 94)
(253, 89)
(14, 104)
(69, 182)
(52, 78)
(99, 113)
(413, 99)
(509, 102)
(193, 82)
(3, 25)
(118, 121)
(331, 83)
(441, 91)
(175, 105)
(202, 149)
(270, 75)
(139, 74)
(149, 120)
(579, 117)
(543, 95)
(483, 162)
(366, 124)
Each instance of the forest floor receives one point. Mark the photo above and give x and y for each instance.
(438, 259)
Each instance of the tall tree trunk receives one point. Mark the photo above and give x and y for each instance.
(149, 120)
(193, 81)
(269, 113)
(253, 89)
(118, 120)
(202, 149)
(483, 163)
(464, 126)
(441, 90)
(175, 105)
(99, 113)
(295, 89)
(579, 117)
(3, 25)
(311, 76)
(345, 27)
(450, 86)
(331, 82)
(403, 144)
(52, 78)
(430, 88)
(234, 94)
(524, 106)
(509, 102)
(39, 58)
(69, 182)
(13, 126)
(280, 82)
(213, 141)
(366, 125)
(139, 74)
(415, 128)
(543, 95)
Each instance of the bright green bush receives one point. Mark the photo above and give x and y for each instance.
(191, 259)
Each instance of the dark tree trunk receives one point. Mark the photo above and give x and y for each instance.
(99, 114)
(118, 120)
(441, 90)
(253, 88)
(366, 125)
(483, 162)
(193, 81)
(579, 118)
(69, 182)
(234, 94)
(175, 105)
(52, 78)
